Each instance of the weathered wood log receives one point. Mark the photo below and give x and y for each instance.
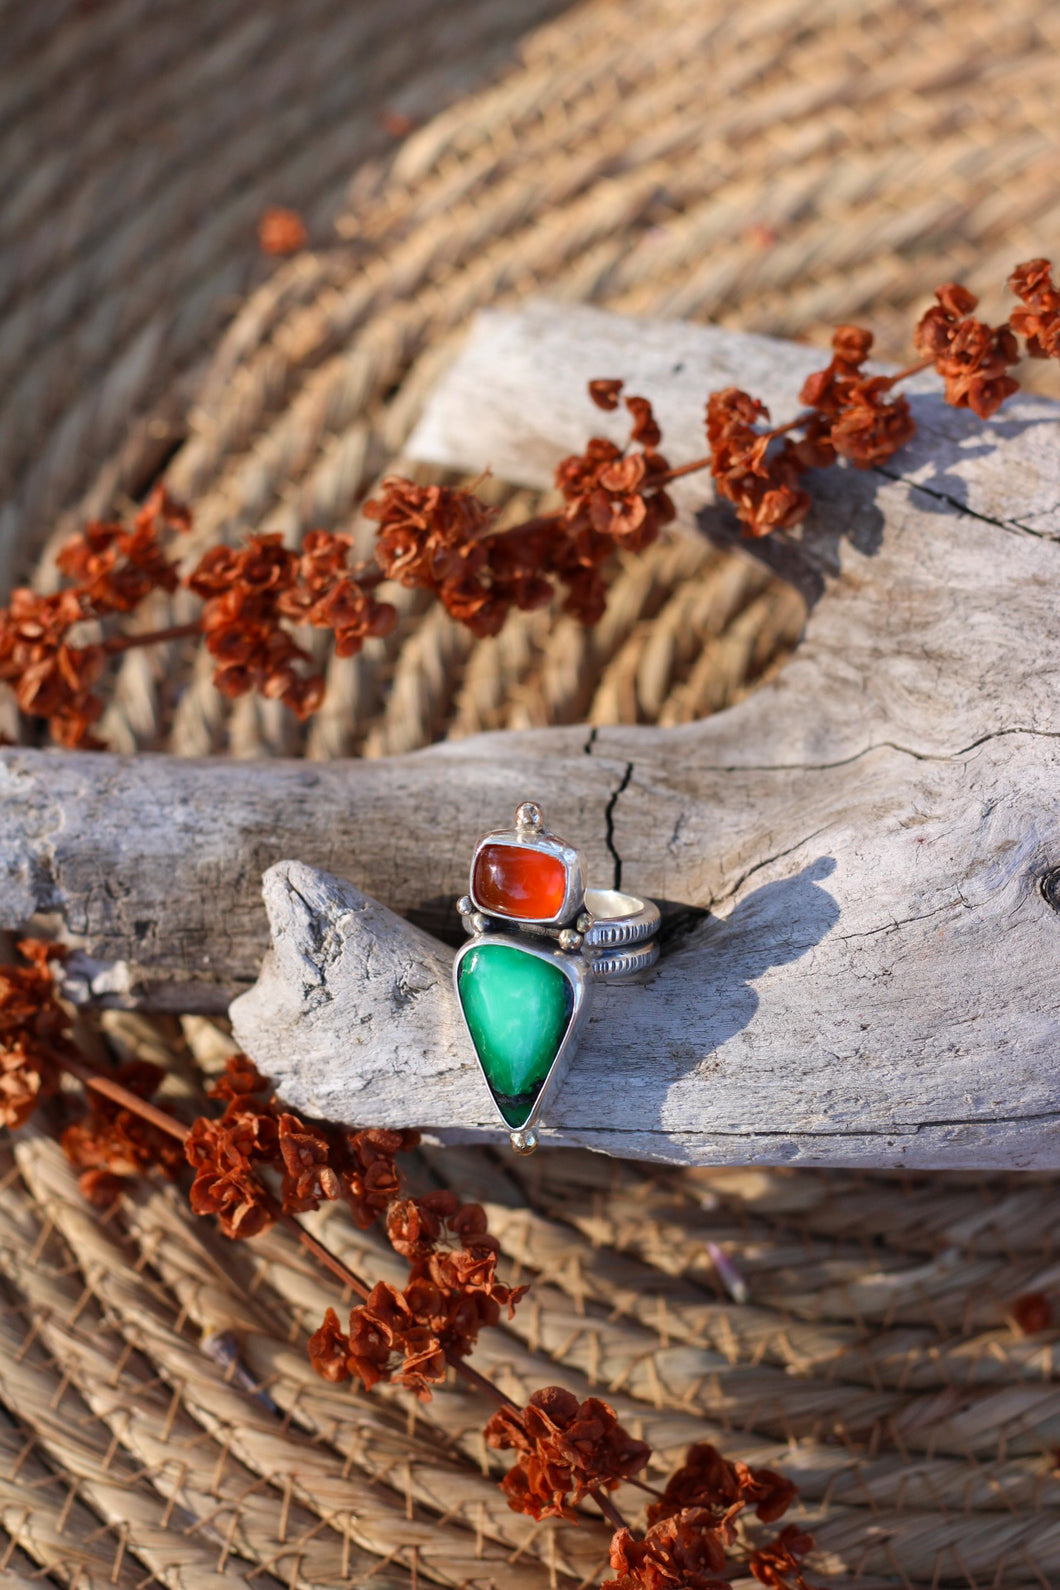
(874, 833)
(729, 1050)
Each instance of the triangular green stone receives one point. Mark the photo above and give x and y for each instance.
(517, 1007)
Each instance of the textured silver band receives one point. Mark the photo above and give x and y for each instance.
(618, 919)
(623, 963)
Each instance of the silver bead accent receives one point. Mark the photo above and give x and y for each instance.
(569, 940)
(477, 922)
(465, 905)
(529, 816)
(584, 922)
(524, 1142)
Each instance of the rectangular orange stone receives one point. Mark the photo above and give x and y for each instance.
(516, 881)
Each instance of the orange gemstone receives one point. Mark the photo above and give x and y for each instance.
(511, 880)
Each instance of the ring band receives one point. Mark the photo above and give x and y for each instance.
(609, 965)
(539, 942)
(619, 919)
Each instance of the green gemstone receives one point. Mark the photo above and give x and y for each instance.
(517, 1008)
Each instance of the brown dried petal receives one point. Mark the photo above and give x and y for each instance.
(681, 1553)
(329, 1349)
(774, 1564)
(605, 394)
(1032, 1313)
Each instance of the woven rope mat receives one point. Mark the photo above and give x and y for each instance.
(162, 1423)
(773, 166)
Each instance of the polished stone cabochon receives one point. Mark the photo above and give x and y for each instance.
(517, 1007)
(518, 881)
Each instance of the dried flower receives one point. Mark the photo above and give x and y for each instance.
(872, 426)
(613, 497)
(567, 1448)
(396, 122)
(101, 1188)
(329, 1349)
(250, 590)
(368, 1176)
(34, 1031)
(1039, 318)
(777, 1564)
(115, 570)
(327, 595)
(710, 1482)
(316, 1162)
(308, 1179)
(240, 1079)
(450, 1294)
(445, 540)
(757, 477)
(434, 538)
(222, 1155)
(605, 394)
(51, 678)
(683, 1552)
(972, 357)
(413, 1227)
(111, 1143)
(1032, 1313)
(241, 619)
(281, 231)
(852, 415)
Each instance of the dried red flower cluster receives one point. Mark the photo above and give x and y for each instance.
(1038, 322)
(437, 539)
(680, 1553)
(445, 540)
(34, 1033)
(1031, 1313)
(778, 1565)
(251, 590)
(854, 416)
(972, 357)
(691, 1528)
(615, 498)
(113, 569)
(759, 479)
(566, 1449)
(111, 1143)
(686, 1551)
(708, 1481)
(850, 415)
(316, 1164)
(441, 539)
(411, 1334)
(281, 231)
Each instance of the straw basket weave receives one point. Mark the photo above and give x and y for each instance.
(778, 166)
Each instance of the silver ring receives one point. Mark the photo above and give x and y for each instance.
(539, 941)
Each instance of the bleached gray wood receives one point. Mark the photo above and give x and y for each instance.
(878, 980)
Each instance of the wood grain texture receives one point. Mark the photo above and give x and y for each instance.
(877, 980)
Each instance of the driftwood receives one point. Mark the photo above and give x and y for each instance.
(874, 834)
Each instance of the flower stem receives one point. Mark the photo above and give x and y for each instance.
(685, 469)
(911, 369)
(152, 637)
(99, 1082)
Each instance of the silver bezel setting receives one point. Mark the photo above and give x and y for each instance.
(546, 844)
(578, 974)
